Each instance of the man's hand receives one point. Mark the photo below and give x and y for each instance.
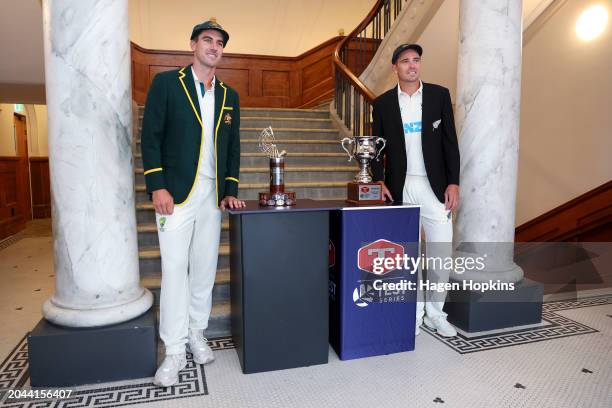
(163, 202)
(231, 202)
(385, 192)
(451, 197)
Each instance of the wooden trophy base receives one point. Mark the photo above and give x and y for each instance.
(364, 193)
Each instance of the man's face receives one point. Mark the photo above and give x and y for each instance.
(408, 66)
(208, 47)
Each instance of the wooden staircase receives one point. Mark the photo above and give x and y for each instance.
(316, 167)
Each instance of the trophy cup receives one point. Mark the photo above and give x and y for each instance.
(362, 191)
(276, 197)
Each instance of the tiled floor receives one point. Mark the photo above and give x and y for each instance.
(566, 361)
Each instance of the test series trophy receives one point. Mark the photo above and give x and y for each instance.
(276, 197)
(363, 191)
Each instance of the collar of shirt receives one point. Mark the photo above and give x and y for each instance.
(200, 85)
(419, 91)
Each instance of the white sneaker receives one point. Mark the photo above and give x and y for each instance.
(439, 323)
(167, 373)
(198, 346)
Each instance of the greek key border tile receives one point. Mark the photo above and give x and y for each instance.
(5, 243)
(192, 383)
(557, 327)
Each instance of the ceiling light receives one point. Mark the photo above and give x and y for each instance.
(592, 22)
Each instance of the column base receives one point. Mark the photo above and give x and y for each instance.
(474, 311)
(63, 316)
(60, 356)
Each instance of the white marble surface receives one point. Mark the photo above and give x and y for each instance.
(87, 70)
(487, 115)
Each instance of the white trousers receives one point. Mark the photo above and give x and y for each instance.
(437, 228)
(189, 246)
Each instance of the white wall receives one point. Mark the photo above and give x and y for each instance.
(566, 113)
(267, 27)
(440, 46)
(7, 138)
(42, 137)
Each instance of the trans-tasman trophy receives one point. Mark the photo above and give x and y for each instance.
(276, 197)
(363, 191)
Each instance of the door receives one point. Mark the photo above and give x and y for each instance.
(23, 166)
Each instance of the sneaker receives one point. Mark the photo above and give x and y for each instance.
(167, 373)
(439, 323)
(417, 327)
(198, 346)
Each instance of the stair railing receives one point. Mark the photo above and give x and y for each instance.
(352, 99)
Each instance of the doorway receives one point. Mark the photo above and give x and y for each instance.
(23, 166)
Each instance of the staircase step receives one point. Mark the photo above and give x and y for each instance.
(327, 144)
(150, 259)
(147, 233)
(285, 112)
(153, 280)
(151, 227)
(249, 175)
(153, 252)
(250, 159)
(295, 145)
(284, 122)
(219, 324)
(292, 173)
(292, 133)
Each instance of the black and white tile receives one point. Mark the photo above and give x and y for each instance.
(553, 326)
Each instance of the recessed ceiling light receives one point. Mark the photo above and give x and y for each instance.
(592, 22)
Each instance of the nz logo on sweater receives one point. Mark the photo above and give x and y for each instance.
(413, 127)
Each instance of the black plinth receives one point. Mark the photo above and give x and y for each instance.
(279, 285)
(60, 356)
(473, 311)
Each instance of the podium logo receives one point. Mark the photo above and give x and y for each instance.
(365, 189)
(363, 295)
(378, 249)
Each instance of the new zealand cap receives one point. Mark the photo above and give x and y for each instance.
(404, 47)
(210, 25)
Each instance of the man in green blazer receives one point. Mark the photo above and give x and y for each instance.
(191, 157)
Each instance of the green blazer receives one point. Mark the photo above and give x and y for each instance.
(172, 135)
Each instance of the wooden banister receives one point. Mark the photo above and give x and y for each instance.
(352, 98)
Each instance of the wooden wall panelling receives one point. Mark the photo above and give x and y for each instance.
(12, 219)
(261, 81)
(41, 191)
(275, 83)
(585, 218)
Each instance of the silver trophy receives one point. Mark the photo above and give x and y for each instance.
(276, 197)
(363, 149)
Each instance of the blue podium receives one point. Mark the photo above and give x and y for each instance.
(368, 316)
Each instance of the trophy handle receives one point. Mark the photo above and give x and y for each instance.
(350, 141)
(384, 142)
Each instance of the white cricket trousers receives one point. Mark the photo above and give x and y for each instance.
(189, 246)
(437, 226)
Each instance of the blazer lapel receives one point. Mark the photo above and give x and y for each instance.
(396, 116)
(220, 94)
(186, 79)
(427, 109)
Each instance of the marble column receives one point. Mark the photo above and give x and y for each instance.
(487, 115)
(87, 78)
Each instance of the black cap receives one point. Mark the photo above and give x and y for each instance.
(404, 47)
(209, 25)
